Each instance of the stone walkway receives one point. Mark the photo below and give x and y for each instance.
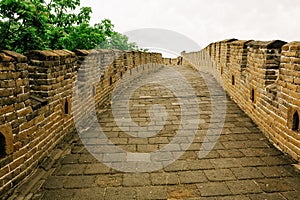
(241, 165)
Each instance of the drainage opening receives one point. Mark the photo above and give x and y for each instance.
(295, 126)
(66, 107)
(252, 95)
(2, 146)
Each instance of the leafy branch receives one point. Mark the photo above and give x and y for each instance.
(37, 24)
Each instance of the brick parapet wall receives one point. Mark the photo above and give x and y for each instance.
(263, 78)
(38, 100)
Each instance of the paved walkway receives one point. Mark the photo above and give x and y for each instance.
(241, 165)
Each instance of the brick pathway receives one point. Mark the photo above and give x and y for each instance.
(242, 164)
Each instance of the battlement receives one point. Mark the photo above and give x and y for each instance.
(37, 97)
(263, 78)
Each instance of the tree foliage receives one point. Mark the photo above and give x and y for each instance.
(118, 41)
(54, 24)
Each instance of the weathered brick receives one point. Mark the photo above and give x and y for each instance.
(7, 66)
(24, 111)
(6, 109)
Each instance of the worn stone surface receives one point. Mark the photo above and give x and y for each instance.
(236, 168)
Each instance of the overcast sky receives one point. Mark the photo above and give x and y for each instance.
(205, 21)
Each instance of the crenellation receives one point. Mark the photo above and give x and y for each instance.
(262, 77)
(225, 54)
(38, 99)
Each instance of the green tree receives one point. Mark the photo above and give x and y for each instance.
(118, 41)
(53, 24)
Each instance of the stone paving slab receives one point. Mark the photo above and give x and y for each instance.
(242, 165)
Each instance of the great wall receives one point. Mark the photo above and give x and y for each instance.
(37, 98)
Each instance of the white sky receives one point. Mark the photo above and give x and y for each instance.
(204, 21)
